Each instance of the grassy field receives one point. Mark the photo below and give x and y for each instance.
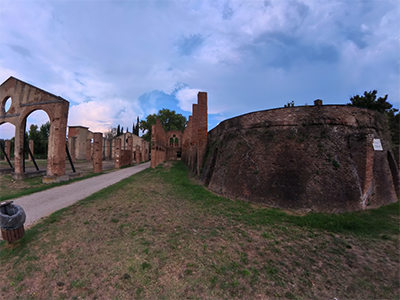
(159, 235)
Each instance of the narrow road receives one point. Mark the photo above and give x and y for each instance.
(42, 204)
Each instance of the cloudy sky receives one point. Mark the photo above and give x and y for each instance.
(116, 60)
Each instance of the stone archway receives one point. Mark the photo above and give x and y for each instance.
(25, 99)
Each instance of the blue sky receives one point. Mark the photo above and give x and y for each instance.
(116, 60)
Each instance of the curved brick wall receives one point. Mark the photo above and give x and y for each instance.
(310, 158)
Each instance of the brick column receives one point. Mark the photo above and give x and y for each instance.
(137, 154)
(31, 148)
(130, 148)
(117, 154)
(369, 170)
(153, 147)
(97, 152)
(143, 151)
(88, 150)
(8, 149)
(202, 133)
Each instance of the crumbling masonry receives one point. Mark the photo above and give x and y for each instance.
(191, 145)
(320, 158)
(25, 99)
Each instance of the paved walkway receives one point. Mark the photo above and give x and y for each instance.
(42, 204)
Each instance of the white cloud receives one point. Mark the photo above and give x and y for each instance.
(248, 55)
(186, 98)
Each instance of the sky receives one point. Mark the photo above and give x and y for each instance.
(116, 60)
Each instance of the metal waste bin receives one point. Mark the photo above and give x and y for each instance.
(12, 219)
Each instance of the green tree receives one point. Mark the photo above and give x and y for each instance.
(369, 100)
(170, 120)
(137, 127)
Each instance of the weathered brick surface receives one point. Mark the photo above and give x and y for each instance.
(117, 155)
(158, 144)
(88, 152)
(81, 135)
(137, 154)
(97, 152)
(125, 139)
(202, 131)
(26, 99)
(31, 147)
(312, 158)
(194, 144)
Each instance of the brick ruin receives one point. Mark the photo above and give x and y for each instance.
(25, 99)
(313, 158)
(317, 158)
(190, 145)
(124, 149)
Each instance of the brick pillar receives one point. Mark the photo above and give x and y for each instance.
(143, 151)
(202, 133)
(137, 154)
(72, 148)
(58, 134)
(153, 147)
(130, 148)
(88, 155)
(369, 169)
(8, 149)
(117, 154)
(318, 102)
(97, 152)
(195, 133)
(31, 148)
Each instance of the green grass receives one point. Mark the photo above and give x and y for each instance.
(369, 222)
(159, 235)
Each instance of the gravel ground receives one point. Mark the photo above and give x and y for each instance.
(42, 204)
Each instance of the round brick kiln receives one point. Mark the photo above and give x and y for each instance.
(310, 158)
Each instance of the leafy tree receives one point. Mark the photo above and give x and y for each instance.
(170, 120)
(137, 127)
(368, 100)
(40, 139)
(118, 130)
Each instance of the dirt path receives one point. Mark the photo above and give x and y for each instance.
(42, 204)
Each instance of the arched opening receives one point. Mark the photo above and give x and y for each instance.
(7, 104)
(36, 141)
(7, 142)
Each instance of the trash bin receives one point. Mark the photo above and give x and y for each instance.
(12, 219)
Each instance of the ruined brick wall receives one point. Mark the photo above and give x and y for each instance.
(312, 158)
(26, 99)
(82, 135)
(97, 152)
(194, 139)
(158, 144)
(136, 141)
(174, 145)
